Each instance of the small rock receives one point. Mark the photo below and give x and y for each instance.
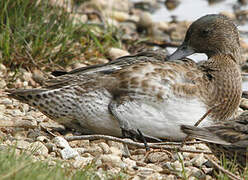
(5, 101)
(115, 53)
(129, 162)
(51, 147)
(171, 4)
(118, 15)
(39, 148)
(16, 112)
(61, 142)
(177, 166)
(21, 144)
(3, 68)
(80, 150)
(195, 172)
(3, 84)
(94, 150)
(201, 146)
(171, 177)
(105, 148)
(178, 156)
(68, 153)
(144, 171)
(154, 167)
(42, 139)
(244, 103)
(81, 161)
(199, 160)
(207, 170)
(113, 160)
(158, 157)
(145, 21)
(154, 176)
(115, 151)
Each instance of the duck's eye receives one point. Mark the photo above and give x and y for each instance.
(204, 33)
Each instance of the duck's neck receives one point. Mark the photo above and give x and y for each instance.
(235, 53)
(226, 85)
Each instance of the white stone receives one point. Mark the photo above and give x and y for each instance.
(68, 153)
(129, 162)
(116, 151)
(61, 142)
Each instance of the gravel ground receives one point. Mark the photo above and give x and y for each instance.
(27, 128)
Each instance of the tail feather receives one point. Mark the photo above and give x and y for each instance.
(203, 134)
(25, 95)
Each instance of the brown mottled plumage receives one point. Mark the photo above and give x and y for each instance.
(153, 96)
(228, 138)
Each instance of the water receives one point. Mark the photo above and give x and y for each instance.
(193, 9)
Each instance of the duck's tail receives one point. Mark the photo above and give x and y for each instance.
(27, 96)
(203, 134)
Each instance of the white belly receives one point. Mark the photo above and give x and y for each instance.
(158, 119)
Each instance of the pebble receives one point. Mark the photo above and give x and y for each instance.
(82, 161)
(154, 176)
(129, 162)
(3, 84)
(199, 160)
(177, 166)
(80, 150)
(171, 177)
(115, 53)
(113, 160)
(154, 167)
(244, 103)
(197, 173)
(42, 139)
(158, 157)
(116, 151)
(61, 142)
(94, 150)
(51, 147)
(105, 148)
(21, 144)
(6, 101)
(118, 15)
(16, 112)
(144, 171)
(68, 153)
(39, 148)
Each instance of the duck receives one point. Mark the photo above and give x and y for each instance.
(228, 139)
(154, 97)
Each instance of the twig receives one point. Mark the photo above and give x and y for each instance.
(230, 175)
(130, 142)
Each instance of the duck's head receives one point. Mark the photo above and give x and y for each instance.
(211, 34)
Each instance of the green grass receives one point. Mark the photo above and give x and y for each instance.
(23, 167)
(38, 34)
